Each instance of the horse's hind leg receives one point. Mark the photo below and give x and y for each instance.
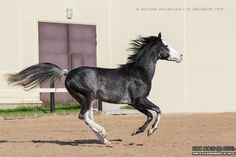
(86, 113)
(96, 128)
(80, 98)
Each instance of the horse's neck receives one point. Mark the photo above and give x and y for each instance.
(147, 67)
(150, 70)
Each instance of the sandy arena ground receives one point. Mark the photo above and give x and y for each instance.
(66, 136)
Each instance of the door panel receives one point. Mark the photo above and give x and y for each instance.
(52, 38)
(77, 60)
(82, 44)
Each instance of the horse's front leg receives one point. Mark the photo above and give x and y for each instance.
(155, 125)
(142, 109)
(155, 108)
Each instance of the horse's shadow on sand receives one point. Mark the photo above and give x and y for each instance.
(84, 142)
(75, 142)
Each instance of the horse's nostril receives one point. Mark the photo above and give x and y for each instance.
(181, 55)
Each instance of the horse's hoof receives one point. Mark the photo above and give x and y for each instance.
(108, 144)
(150, 132)
(104, 133)
(135, 132)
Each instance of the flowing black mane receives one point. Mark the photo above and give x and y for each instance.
(137, 46)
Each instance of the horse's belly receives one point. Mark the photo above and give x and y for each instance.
(117, 101)
(115, 97)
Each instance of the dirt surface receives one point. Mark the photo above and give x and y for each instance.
(66, 136)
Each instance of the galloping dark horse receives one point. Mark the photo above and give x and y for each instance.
(129, 84)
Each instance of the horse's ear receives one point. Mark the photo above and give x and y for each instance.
(159, 36)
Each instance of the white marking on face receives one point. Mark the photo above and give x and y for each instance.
(174, 55)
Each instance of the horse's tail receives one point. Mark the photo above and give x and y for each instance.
(36, 74)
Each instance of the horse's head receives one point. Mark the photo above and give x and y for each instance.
(166, 52)
(152, 46)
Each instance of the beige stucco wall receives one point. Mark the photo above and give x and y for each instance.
(204, 32)
(210, 46)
